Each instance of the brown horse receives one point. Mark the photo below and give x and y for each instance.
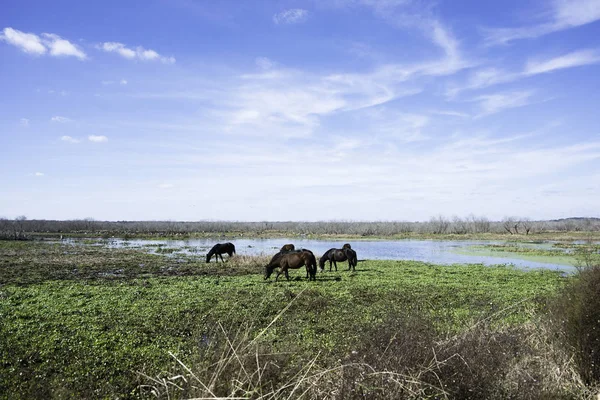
(334, 255)
(292, 260)
(287, 247)
(220, 248)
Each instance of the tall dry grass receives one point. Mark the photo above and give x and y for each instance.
(401, 358)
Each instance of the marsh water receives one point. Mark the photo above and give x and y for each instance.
(433, 251)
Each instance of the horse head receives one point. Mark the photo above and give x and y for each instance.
(268, 271)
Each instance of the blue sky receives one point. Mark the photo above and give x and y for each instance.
(299, 110)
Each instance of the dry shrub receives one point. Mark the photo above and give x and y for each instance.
(402, 358)
(405, 359)
(576, 315)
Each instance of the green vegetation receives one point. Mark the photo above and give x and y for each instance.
(570, 253)
(90, 322)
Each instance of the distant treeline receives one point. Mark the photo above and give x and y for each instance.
(21, 227)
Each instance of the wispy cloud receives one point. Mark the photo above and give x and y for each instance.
(291, 16)
(39, 174)
(264, 63)
(69, 139)
(48, 43)
(97, 139)
(490, 76)
(60, 119)
(139, 53)
(166, 186)
(122, 82)
(564, 14)
(494, 103)
(574, 59)
(24, 122)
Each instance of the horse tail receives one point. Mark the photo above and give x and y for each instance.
(232, 248)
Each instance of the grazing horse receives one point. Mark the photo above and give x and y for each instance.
(292, 260)
(220, 248)
(334, 255)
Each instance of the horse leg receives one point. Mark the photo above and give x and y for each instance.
(335, 264)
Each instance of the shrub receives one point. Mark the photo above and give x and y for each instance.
(576, 314)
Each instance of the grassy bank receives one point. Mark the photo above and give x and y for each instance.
(88, 322)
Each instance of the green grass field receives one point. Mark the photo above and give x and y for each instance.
(89, 322)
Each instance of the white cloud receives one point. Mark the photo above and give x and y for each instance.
(122, 82)
(97, 139)
(62, 47)
(69, 139)
(39, 174)
(48, 43)
(24, 122)
(494, 103)
(264, 63)
(565, 14)
(138, 54)
(491, 76)
(574, 59)
(291, 16)
(60, 119)
(27, 42)
(165, 186)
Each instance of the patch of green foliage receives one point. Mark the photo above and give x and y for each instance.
(527, 251)
(82, 321)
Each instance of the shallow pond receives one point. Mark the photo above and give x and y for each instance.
(433, 251)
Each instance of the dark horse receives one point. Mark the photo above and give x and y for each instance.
(344, 254)
(292, 260)
(287, 247)
(220, 248)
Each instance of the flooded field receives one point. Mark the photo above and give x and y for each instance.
(432, 251)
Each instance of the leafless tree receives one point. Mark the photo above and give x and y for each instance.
(439, 224)
(527, 225)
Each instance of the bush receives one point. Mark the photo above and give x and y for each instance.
(576, 312)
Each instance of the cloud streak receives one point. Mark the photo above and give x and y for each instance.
(565, 14)
(490, 76)
(291, 16)
(97, 138)
(139, 53)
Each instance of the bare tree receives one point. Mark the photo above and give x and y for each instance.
(19, 227)
(439, 224)
(511, 225)
(460, 226)
(527, 224)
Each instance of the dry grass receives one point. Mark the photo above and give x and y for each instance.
(403, 358)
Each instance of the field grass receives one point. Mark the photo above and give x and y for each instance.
(91, 322)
